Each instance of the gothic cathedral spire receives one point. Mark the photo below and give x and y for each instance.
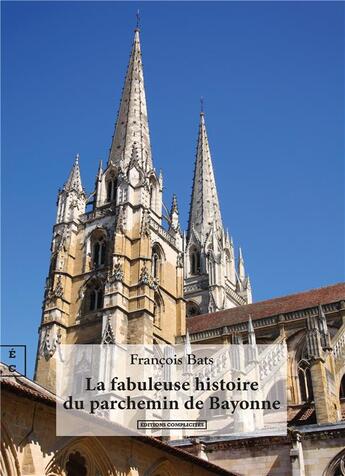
(211, 282)
(132, 127)
(204, 209)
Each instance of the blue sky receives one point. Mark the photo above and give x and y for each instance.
(272, 75)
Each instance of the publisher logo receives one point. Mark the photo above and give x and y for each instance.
(171, 424)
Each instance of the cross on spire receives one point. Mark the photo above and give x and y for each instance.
(138, 20)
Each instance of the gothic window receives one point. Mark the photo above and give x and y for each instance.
(76, 465)
(192, 309)
(94, 296)
(99, 248)
(156, 261)
(305, 383)
(111, 186)
(194, 261)
(155, 264)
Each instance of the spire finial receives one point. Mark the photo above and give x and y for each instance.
(137, 27)
(77, 159)
(201, 105)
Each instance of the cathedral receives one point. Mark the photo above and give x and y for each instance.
(123, 271)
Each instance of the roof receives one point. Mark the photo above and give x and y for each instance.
(271, 307)
(301, 415)
(24, 386)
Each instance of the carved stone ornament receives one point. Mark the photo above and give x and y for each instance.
(49, 341)
(144, 276)
(120, 220)
(74, 204)
(179, 260)
(56, 292)
(117, 274)
(145, 223)
(108, 334)
(154, 283)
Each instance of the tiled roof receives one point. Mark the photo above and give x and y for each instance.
(301, 415)
(271, 307)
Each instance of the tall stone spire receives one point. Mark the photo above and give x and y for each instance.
(211, 282)
(132, 128)
(204, 209)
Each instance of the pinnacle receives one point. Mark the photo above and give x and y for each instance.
(74, 180)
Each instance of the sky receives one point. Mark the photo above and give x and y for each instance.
(272, 78)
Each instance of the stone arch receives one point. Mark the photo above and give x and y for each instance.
(337, 465)
(95, 282)
(91, 450)
(111, 184)
(92, 236)
(162, 467)
(299, 379)
(9, 463)
(99, 247)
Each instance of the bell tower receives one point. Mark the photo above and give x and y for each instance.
(116, 273)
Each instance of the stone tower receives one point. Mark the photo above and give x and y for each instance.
(116, 274)
(212, 280)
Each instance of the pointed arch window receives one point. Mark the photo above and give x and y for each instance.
(99, 246)
(111, 187)
(194, 260)
(305, 382)
(94, 296)
(156, 261)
